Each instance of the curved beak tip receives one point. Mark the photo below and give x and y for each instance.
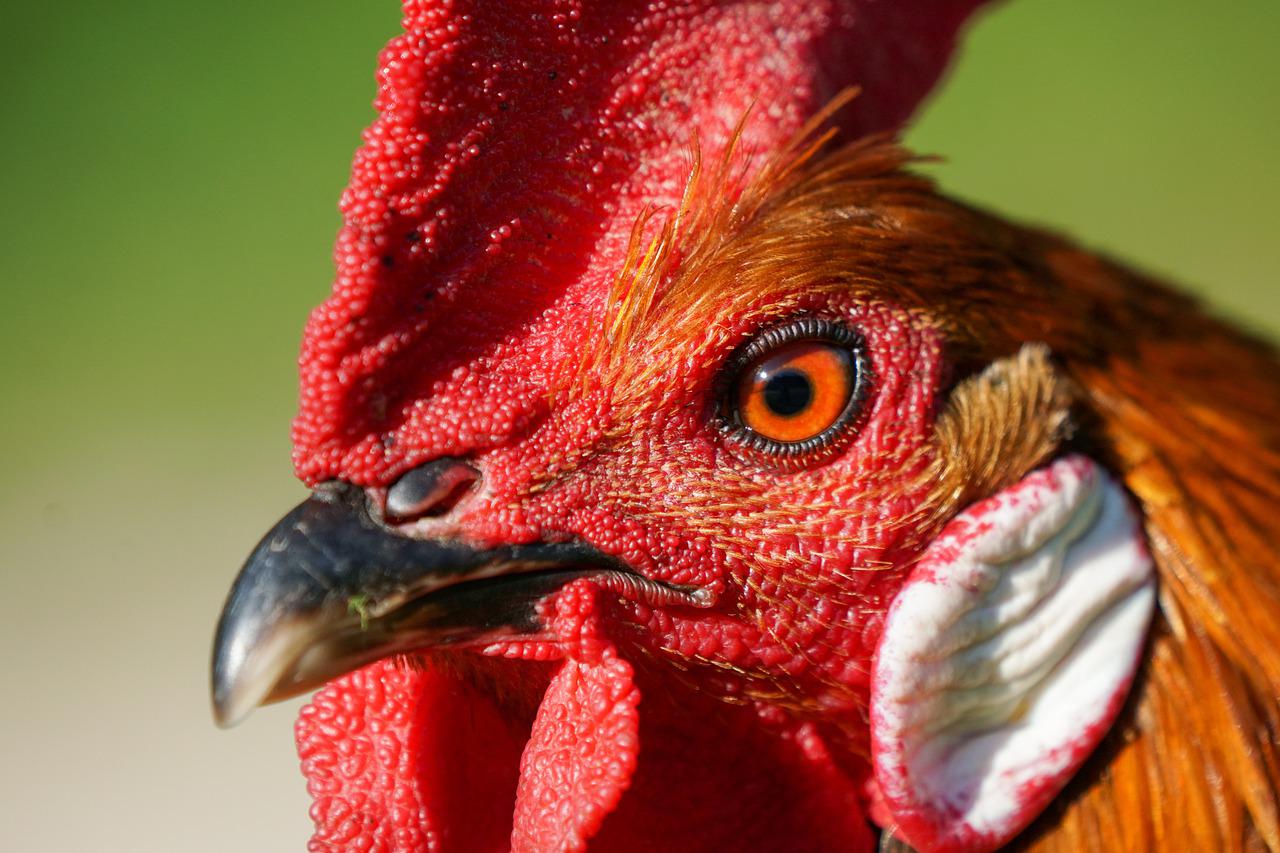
(254, 663)
(231, 692)
(289, 626)
(232, 701)
(226, 713)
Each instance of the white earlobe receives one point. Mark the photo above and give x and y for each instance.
(1007, 656)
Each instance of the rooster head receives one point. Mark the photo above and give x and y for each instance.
(688, 474)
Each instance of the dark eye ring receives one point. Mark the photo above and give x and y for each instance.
(795, 389)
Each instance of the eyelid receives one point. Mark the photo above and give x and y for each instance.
(800, 328)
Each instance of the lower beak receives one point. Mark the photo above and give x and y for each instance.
(330, 589)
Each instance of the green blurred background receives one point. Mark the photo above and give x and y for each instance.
(170, 173)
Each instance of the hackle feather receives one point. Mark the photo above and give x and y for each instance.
(1182, 407)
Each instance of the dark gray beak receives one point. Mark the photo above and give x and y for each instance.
(331, 588)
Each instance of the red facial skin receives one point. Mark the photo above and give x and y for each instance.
(487, 216)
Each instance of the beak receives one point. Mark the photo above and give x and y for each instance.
(331, 589)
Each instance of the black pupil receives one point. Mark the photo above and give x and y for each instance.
(788, 393)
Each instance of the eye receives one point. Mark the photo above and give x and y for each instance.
(796, 389)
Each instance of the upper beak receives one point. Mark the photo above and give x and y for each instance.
(330, 589)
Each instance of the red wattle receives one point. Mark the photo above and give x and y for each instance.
(403, 760)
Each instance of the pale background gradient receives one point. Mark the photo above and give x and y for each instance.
(170, 173)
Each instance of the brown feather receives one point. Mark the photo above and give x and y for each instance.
(1181, 406)
(1187, 411)
(996, 427)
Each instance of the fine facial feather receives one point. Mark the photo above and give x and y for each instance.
(995, 428)
(1185, 409)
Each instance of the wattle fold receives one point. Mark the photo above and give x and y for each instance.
(585, 739)
(580, 757)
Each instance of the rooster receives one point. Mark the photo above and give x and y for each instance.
(689, 474)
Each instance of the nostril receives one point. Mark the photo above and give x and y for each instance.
(430, 489)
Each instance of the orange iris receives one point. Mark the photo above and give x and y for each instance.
(797, 391)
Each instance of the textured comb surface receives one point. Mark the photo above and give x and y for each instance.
(516, 143)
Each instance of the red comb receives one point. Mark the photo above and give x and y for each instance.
(516, 142)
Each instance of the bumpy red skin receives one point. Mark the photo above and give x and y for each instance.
(711, 774)
(488, 212)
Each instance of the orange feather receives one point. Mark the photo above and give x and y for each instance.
(1183, 407)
